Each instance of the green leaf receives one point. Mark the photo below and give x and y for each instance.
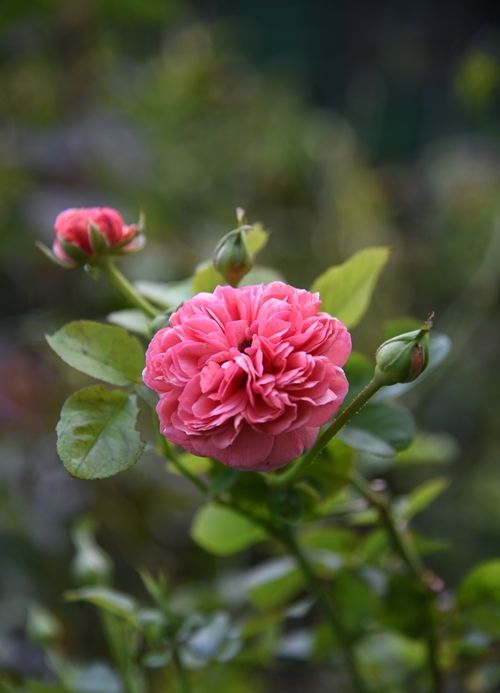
(331, 471)
(405, 606)
(346, 289)
(206, 278)
(167, 294)
(222, 531)
(255, 238)
(196, 465)
(425, 546)
(222, 478)
(389, 659)
(372, 545)
(157, 587)
(147, 395)
(380, 429)
(429, 448)
(355, 600)
(132, 320)
(112, 601)
(96, 434)
(106, 352)
(482, 583)
(423, 496)
(261, 275)
(364, 441)
(364, 517)
(479, 597)
(292, 504)
(254, 495)
(336, 539)
(274, 583)
(359, 372)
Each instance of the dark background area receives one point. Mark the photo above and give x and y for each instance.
(385, 66)
(338, 125)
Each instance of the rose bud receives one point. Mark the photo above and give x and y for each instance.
(84, 235)
(404, 357)
(231, 257)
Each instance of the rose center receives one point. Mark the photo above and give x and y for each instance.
(244, 345)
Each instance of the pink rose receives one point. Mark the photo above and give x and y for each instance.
(73, 230)
(248, 375)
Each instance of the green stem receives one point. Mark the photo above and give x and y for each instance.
(432, 644)
(165, 450)
(324, 438)
(329, 612)
(118, 647)
(169, 455)
(126, 288)
(397, 538)
(181, 672)
(411, 559)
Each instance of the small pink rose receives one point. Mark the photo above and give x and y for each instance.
(248, 375)
(74, 242)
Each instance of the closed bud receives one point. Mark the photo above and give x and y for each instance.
(231, 257)
(404, 357)
(84, 236)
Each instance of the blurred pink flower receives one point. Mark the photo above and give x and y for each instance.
(73, 229)
(248, 375)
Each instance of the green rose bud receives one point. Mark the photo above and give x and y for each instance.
(404, 357)
(231, 257)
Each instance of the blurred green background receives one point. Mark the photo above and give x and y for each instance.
(336, 124)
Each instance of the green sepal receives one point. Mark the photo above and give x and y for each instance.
(53, 258)
(98, 240)
(74, 252)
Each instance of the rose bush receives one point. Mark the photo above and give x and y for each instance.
(247, 376)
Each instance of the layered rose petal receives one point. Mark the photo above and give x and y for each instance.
(73, 227)
(248, 375)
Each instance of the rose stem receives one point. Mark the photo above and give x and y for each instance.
(126, 288)
(181, 672)
(412, 561)
(168, 454)
(324, 438)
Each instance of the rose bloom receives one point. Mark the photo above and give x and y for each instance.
(248, 375)
(73, 227)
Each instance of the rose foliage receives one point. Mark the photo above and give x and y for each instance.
(258, 401)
